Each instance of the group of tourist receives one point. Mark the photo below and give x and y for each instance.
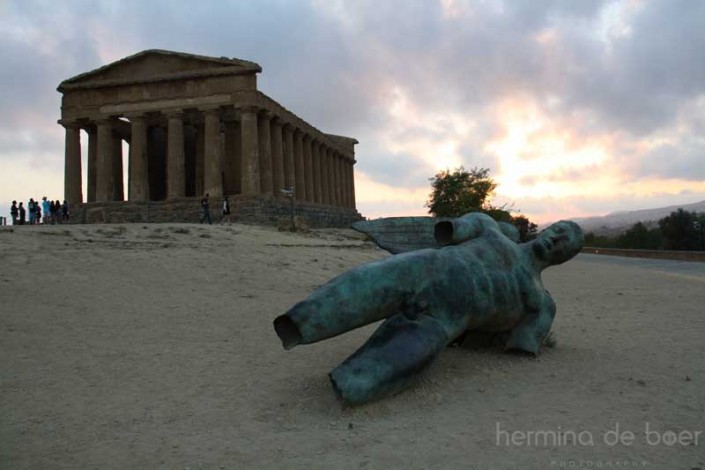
(55, 212)
(39, 212)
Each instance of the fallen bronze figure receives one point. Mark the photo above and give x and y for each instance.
(477, 279)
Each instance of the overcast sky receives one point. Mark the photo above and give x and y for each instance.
(577, 107)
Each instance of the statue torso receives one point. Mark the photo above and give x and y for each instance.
(489, 283)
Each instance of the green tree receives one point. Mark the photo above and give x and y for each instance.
(599, 241)
(500, 214)
(679, 230)
(527, 229)
(459, 192)
(640, 237)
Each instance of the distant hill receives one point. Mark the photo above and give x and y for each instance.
(618, 222)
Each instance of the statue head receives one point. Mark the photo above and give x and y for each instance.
(558, 243)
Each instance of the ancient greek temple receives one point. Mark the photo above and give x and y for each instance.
(195, 125)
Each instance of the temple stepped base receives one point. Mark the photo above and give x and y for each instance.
(255, 210)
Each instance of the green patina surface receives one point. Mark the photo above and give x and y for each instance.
(480, 281)
(402, 234)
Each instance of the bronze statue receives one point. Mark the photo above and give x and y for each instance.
(478, 281)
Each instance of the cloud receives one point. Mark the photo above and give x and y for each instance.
(566, 102)
(684, 159)
(376, 199)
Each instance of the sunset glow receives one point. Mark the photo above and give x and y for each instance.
(538, 158)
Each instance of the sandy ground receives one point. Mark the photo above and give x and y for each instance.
(151, 346)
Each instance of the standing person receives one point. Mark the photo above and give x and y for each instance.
(14, 212)
(205, 208)
(37, 213)
(65, 211)
(46, 209)
(57, 212)
(52, 212)
(32, 210)
(226, 210)
(22, 214)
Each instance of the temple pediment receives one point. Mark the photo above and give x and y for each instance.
(158, 65)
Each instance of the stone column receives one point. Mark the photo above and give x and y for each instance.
(353, 201)
(299, 171)
(265, 153)
(104, 161)
(317, 184)
(138, 184)
(212, 155)
(333, 184)
(92, 156)
(343, 182)
(73, 193)
(289, 165)
(325, 182)
(277, 157)
(351, 190)
(176, 175)
(233, 156)
(346, 182)
(327, 171)
(117, 175)
(200, 159)
(330, 175)
(338, 180)
(308, 168)
(344, 179)
(250, 152)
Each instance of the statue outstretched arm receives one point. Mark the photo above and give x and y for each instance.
(363, 295)
(462, 229)
(402, 234)
(529, 334)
